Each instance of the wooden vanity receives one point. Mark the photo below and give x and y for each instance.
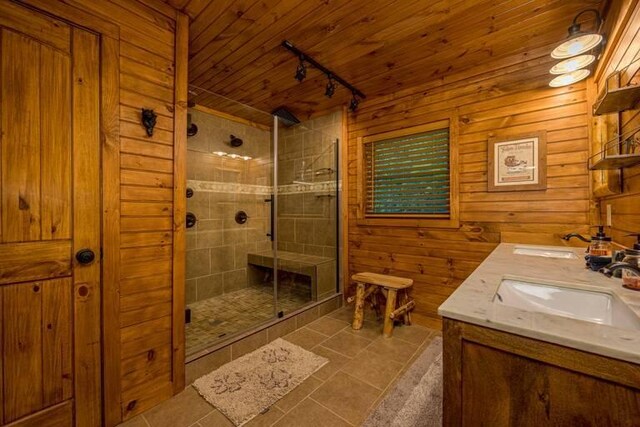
(509, 367)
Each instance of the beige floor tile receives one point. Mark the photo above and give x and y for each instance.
(266, 419)
(215, 419)
(347, 396)
(207, 364)
(299, 393)
(393, 349)
(182, 410)
(336, 361)
(328, 326)
(310, 414)
(344, 313)
(305, 338)
(370, 330)
(346, 343)
(281, 329)
(373, 369)
(248, 344)
(137, 421)
(414, 334)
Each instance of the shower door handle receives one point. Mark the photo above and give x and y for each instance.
(270, 233)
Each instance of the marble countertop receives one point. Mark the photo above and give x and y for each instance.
(473, 302)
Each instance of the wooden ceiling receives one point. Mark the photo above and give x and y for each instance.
(380, 46)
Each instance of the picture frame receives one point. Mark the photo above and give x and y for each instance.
(517, 163)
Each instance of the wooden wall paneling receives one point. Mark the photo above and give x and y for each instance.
(54, 416)
(494, 102)
(87, 227)
(621, 53)
(180, 200)
(110, 83)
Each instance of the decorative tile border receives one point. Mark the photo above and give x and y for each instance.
(227, 187)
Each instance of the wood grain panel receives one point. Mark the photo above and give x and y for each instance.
(55, 98)
(17, 261)
(87, 226)
(22, 357)
(60, 415)
(21, 142)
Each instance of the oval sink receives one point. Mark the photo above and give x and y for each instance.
(582, 304)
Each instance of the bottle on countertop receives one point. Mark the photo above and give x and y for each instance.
(630, 278)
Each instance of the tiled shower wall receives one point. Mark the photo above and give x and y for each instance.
(307, 213)
(217, 246)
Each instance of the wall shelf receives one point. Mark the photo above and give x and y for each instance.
(616, 99)
(616, 161)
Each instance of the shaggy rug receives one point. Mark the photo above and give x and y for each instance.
(243, 388)
(416, 399)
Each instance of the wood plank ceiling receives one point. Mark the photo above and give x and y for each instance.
(380, 46)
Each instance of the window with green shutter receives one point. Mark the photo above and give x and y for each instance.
(408, 174)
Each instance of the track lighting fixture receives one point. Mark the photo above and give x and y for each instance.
(301, 71)
(573, 67)
(330, 88)
(353, 105)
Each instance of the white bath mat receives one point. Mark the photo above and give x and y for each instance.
(245, 387)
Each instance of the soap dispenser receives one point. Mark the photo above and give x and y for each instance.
(599, 251)
(600, 245)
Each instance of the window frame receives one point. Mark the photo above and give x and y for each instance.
(451, 220)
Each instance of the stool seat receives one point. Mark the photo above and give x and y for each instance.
(392, 282)
(397, 291)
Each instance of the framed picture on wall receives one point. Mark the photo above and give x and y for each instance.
(517, 163)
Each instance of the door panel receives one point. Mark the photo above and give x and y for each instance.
(49, 210)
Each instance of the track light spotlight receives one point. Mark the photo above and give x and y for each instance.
(353, 105)
(301, 71)
(330, 88)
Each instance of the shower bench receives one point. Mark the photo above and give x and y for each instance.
(320, 270)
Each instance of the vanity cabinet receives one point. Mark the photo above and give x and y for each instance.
(494, 378)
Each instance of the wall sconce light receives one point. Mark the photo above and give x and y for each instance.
(579, 41)
(569, 78)
(572, 64)
(572, 69)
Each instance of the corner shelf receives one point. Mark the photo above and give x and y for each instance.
(616, 99)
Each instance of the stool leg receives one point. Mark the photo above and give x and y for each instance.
(387, 329)
(358, 314)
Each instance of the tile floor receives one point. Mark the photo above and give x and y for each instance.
(224, 315)
(363, 366)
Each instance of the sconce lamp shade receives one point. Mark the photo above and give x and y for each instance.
(572, 64)
(569, 78)
(576, 45)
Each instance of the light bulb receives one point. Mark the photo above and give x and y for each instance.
(569, 78)
(572, 64)
(577, 45)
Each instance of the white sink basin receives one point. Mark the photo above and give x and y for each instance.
(592, 306)
(544, 252)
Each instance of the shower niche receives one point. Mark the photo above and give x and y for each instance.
(265, 241)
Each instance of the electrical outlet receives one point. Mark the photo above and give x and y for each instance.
(609, 215)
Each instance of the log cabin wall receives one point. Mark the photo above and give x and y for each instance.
(622, 54)
(510, 98)
(142, 345)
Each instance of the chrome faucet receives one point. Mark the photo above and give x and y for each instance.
(609, 270)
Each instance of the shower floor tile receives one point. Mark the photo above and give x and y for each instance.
(224, 315)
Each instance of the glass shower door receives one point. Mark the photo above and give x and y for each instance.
(306, 185)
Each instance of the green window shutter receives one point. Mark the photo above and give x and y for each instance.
(408, 175)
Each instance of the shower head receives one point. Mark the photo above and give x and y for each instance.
(286, 116)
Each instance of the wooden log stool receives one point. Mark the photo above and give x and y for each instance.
(398, 301)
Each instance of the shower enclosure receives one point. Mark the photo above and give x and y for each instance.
(262, 201)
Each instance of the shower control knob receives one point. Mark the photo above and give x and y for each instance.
(85, 256)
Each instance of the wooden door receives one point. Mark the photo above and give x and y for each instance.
(49, 212)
